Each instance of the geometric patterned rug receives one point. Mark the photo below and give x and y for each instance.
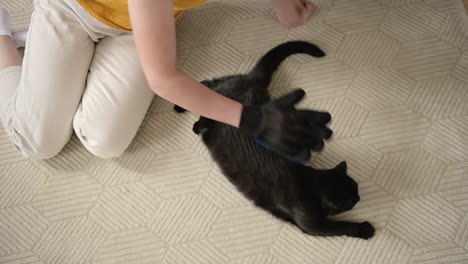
(395, 79)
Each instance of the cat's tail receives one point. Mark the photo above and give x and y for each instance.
(268, 64)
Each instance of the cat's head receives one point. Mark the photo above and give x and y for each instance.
(338, 191)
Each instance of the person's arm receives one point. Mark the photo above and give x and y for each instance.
(285, 130)
(153, 26)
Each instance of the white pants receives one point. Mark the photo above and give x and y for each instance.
(77, 74)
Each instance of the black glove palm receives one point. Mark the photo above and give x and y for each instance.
(289, 132)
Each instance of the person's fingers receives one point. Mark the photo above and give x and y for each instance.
(289, 100)
(326, 133)
(313, 117)
(308, 6)
(307, 11)
(304, 138)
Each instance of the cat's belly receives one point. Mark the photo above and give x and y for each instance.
(239, 156)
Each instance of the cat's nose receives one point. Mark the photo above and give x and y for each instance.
(358, 198)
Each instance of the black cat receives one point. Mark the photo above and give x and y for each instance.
(296, 193)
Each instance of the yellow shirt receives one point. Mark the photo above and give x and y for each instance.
(114, 13)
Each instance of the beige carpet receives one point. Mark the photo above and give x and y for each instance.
(396, 81)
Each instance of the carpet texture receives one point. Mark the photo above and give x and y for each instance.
(395, 79)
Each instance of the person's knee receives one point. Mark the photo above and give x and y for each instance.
(106, 151)
(106, 148)
(38, 142)
(38, 148)
(42, 152)
(105, 138)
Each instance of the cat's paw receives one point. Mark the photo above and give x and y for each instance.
(196, 128)
(179, 109)
(364, 230)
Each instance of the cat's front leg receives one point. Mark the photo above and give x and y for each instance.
(196, 128)
(202, 125)
(329, 227)
(179, 109)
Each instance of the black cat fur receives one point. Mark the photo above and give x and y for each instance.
(298, 194)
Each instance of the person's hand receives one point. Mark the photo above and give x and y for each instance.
(285, 130)
(292, 13)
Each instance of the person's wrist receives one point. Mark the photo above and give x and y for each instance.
(251, 120)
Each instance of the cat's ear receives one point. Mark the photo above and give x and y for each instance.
(342, 166)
